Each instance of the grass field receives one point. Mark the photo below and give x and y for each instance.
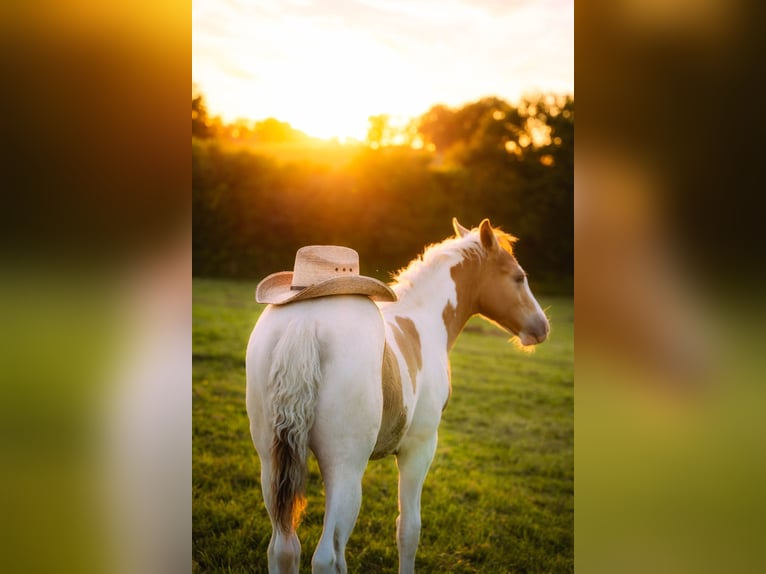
(500, 493)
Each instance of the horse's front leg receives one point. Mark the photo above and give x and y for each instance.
(414, 459)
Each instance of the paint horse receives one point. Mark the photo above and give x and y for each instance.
(354, 380)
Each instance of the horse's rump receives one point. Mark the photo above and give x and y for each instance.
(314, 376)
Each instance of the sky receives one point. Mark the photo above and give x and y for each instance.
(326, 66)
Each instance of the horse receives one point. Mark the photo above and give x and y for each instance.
(354, 380)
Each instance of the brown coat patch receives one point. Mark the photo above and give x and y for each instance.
(408, 339)
(464, 276)
(451, 323)
(394, 412)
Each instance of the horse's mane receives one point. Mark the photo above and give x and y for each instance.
(453, 250)
(506, 240)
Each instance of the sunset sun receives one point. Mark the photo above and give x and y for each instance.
(330, 83)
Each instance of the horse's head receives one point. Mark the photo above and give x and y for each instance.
(502, 293)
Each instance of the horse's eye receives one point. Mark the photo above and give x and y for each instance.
(519, 279)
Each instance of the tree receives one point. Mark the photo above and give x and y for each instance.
(384, 130)
(201, 125)
(438, 127)
(378, 130)
(272, 130)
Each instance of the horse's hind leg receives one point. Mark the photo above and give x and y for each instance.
(343, 490)
(284, 551)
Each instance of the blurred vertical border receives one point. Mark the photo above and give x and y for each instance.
(95, 287)
(668, 288)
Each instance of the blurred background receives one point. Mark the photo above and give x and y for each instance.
(260, 193)
(96, 253)
(668, 285)
(95, 294)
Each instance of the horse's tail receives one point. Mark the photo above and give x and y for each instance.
(293, 380)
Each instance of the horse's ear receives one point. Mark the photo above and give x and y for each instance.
(487, 235)
(460, 231)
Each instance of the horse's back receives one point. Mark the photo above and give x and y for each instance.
(350, 336)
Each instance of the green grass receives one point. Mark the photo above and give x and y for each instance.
(498, 497)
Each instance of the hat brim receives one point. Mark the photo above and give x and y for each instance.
(276, 288)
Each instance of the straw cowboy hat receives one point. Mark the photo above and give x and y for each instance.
(321, 270)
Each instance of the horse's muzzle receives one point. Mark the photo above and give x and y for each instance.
(535, 331)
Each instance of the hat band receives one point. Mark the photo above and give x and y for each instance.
(297, 287)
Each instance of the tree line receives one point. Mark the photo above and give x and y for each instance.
(397, 193)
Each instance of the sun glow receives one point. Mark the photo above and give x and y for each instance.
(330, 82)
(326, 71)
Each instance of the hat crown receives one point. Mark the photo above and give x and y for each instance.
(317, 263)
